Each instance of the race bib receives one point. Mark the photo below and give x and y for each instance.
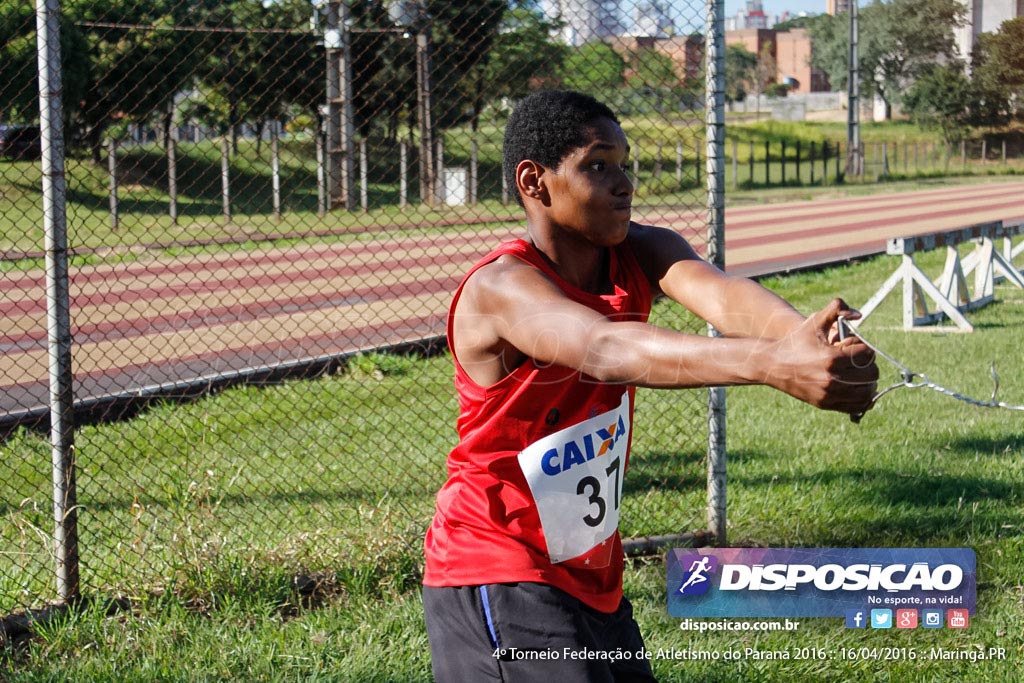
(575, 476)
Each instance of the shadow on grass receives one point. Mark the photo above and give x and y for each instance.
(271, 497)
(975, 445)
(887, 486)
(654, 470)
(884, 504)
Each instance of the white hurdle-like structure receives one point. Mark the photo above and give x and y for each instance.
(950, 293)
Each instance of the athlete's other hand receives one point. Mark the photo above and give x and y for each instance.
(813, 365)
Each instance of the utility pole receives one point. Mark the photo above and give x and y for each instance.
(413, 15)
(341, 184)
(425, 116)
(854, 153)
(428, 184)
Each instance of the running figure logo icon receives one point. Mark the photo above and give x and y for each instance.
(696, 580)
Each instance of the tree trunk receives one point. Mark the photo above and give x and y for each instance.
(95, 138)
(165, 123)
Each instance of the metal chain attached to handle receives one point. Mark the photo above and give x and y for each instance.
(908, 377)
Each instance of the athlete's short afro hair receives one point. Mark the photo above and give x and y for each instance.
(547, 126)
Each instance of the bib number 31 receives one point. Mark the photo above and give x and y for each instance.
(591, 487)
(575, 476)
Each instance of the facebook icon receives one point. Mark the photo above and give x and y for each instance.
(856, 618)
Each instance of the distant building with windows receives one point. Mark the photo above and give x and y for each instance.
(984, 16)
(835, 7)
(686, 53)
(585, 20)
(751, 15)
(791, 51)
(651, 19)
(793, 60)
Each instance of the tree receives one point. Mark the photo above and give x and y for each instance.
(655, 70)
(230, 73)
(463, 36)
(998, 67)
(19, 93)
(523, 56)
(135, 59)
(593, 67)
(798, 22)
(941, 98)
(287, 66)
(740, 66)
(765, 72)
(899, 40)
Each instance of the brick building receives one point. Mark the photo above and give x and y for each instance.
(791, 51)
(754, 39)
(793, 57)
(686, 52)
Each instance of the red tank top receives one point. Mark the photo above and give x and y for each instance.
(535, 481)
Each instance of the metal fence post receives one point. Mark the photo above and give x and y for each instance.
(321, 175)
(474, 171)
(225, 178)
(58, 314)
(172, 175)
(438, 186)
(275, 168)
(715, 140)
(403, 175)
(364, 179)
(750, 162)
(115, 220)
(767, 164)
(812, 162)
(679, 164)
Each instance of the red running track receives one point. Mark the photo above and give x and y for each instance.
(153, 323)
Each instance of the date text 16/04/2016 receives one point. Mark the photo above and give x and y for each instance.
(973, 654)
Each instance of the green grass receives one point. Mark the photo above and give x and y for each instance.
(205, 513)
(145, 225)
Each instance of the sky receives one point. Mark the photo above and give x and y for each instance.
(777, 7)
(689, 14)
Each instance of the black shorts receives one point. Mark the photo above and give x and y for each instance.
(530, 632)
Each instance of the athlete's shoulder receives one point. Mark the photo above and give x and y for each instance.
(657, 249)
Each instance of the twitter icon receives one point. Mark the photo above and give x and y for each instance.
(881, 618)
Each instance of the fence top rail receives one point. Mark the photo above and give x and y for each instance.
(898, 246)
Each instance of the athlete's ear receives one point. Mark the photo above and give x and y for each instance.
(530, 180)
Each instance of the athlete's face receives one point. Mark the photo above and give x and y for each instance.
(590, 193)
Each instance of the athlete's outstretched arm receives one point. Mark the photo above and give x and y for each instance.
(736, 306)
(512, 304)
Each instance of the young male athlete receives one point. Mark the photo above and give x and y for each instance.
(549, 334)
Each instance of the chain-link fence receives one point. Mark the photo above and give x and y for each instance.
(268, 206)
